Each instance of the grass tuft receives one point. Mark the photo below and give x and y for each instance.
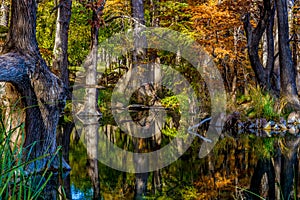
(15, 182)
(260, 104)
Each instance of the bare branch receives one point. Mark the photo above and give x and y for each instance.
(196, 134)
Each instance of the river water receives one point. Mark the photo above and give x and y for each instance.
(243, 165)
(237, 167)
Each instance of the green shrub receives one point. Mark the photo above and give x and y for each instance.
(261, 105)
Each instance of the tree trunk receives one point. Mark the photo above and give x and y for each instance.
(254, 36)
(43, 94)
(91, 109)
(90, 65)
(60, 67)
(154, 13)
(276, 72)
(10, 97)
(60, 51)
(139, 39)
(138, 56)
(288, 88)
(296, 38)
(91, 133)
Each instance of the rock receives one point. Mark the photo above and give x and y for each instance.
(267, 126)
(252, 126)
(272, 123)
(247, 124)
(266, 132)
(282, 133)
(275, 127)
(262, 122)
(282, 121)
(293, 130)
(293, 118)
(252, 131)
(240, 125)
(232, 120)
(282, 127)
(275, 132)
(240, 131)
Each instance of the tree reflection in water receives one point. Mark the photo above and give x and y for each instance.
(237, 168)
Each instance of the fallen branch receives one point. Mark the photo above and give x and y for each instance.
(196, 134)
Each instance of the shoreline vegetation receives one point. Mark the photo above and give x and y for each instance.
(18, 180)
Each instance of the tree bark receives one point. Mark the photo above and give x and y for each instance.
(139, 40)
(10, 97)
(296, 45)
(254, 35)
(287, 70)
(43, 94)
(60, 67)
(60, 51)
(276, 71)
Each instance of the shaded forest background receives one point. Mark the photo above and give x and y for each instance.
(216, 25)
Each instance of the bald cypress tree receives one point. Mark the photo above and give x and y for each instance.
(41, 92)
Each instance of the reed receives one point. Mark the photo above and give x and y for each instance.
(16, 182)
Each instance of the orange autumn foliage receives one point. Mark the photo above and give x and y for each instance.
(219, 29)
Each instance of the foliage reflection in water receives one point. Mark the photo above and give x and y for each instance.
(237, 167)
(241, 165)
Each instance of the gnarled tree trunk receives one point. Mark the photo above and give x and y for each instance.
(254, 35)
(43, 93)
(288, 89)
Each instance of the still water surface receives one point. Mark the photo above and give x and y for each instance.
(240, 166)
(237, 167)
